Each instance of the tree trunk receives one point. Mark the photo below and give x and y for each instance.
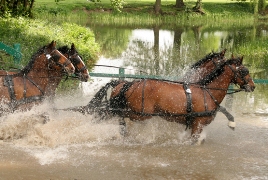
(15, 7)
(198, 7)
(256, 7)
(157, 7)
(156, 50)
(179, 4)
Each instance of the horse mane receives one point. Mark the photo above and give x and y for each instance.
(205, 59)
(64, 49)
(120, 100)
(29, 66)
(218, 71)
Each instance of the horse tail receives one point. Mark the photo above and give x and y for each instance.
(98, 97)
(120, 101)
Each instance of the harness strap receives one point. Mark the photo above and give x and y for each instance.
(142, 104)
(189, 106)
(8, 81)
(205, 100)
(192, 114)
(215, 100)
(36, 85)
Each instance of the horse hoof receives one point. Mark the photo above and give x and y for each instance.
(198, 142)
(231, 125)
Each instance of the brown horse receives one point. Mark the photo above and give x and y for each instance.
(199, 69)
(22, 89)
(80, 69)
(194, 105)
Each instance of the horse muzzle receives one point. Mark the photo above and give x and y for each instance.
(248, 88)
(84, 78)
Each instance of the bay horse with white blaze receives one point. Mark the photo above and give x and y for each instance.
(21, 90)
(81, 71)
(192, 104)
(196, 72)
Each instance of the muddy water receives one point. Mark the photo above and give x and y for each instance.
(73, 146)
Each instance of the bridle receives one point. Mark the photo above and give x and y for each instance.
(76, 59)
(241, 72)
(54, 58)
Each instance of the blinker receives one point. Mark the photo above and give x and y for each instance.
(244, 72)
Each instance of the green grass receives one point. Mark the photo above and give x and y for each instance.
(33, 34)
(140, 13)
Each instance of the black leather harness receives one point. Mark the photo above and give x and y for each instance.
(8, 81)
(189, 115)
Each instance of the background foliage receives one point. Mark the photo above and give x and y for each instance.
(33, 34)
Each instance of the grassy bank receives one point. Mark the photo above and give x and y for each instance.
(141, 12)
(33, 34)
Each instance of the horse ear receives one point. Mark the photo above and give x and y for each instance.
(223, 52)
(232, 56)
(241, 59)
(72, 46)
(52, 44)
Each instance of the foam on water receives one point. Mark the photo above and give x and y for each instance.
(49, 142)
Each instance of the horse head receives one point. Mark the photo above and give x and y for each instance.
(241, 74)
(57, 60)
(80, 68)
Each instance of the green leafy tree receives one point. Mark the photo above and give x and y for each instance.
(16, 7)
(117, 5)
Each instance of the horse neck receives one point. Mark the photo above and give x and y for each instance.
(200, 69)
(47, 79)
(54, 79)
(38, 72)
(218, 86)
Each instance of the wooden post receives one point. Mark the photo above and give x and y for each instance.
(17, 57)
(121, 73)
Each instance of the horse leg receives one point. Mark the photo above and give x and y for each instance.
(197, 128)
(122, 126)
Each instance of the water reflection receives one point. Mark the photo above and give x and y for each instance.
(167, 52)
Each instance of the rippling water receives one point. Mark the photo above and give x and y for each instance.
(76, 146)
